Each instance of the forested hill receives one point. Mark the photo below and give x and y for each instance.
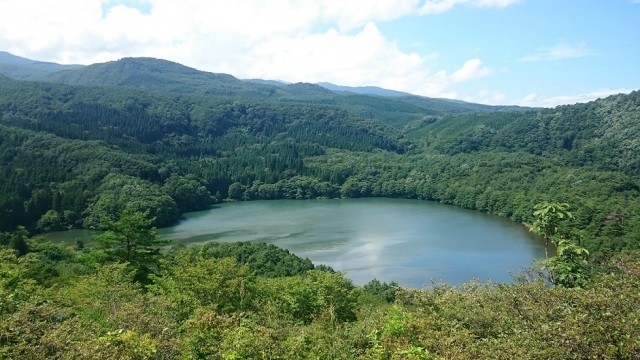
(160, 137)
(166, 76)
(68, 151)
(156, 74)
(132, 144)
(601, 133)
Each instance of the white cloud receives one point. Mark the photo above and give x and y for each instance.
(292, 40)
(535, 100)
(559, 51)
(442, 84)
(472, 69)
(439, 6)
(360, 59)
(489, 97)
(356, 13)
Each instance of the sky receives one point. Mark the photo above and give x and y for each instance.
(501, 52)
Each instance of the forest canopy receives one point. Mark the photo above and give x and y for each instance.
(129, 146)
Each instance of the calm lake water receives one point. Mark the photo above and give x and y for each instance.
(408, 241)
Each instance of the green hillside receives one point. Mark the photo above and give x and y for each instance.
(158, 126)
(156, 74)
(602, 133)
(133, 144)
(165, 76)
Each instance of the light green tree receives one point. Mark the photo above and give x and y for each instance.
(548, 217)
(569, 268)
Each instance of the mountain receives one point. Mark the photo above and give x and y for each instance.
(450, 106)
(363, 90)
(602, 133)
(157, 74)
(26, 69)
(267, 82)
(391, 107)
(162, 75)
(435, 105)
(147, 137)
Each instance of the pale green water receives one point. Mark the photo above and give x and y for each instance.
(409, 241)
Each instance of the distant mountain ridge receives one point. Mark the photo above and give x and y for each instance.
(364, 90)
(392, 107)
(26, 69)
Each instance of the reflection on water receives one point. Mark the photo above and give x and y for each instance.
(409, 241)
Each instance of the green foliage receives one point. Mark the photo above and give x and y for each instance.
(386, 292)
(51, 221)
(548, 217)
(315, 295)
(131, 239)
(164, 139)
(130, 345)
(15, 286)
(260, 258)
(192, 281)
(188, 193)
(70, 152)
(570, 266)
(201, 307)
(119, 193)
(18, 240)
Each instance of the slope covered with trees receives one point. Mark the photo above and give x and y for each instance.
(601, 133)
(147, 134)
(130, 145)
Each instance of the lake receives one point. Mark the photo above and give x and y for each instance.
(411, 242)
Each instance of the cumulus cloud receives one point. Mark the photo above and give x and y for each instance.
(291, 40)
(304, 40)
(559, 51)
(358, 59)
(443, 84)
(439, 6)
(489, 97)
(472, 69)
(355, 13)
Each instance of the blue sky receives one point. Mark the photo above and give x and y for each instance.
(526, 52)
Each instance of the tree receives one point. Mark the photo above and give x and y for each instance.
(315, 295)
(188, 192)
(118, 192)
(131, 239)
(51, 221)
(569, 268)
(548, 217)
(19, 240)
(192, 281)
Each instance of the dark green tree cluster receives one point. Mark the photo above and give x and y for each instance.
(262, 259)
(191, 148)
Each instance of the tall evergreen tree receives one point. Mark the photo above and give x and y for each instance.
(131, 239)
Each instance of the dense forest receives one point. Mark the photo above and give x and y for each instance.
(131, 145)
